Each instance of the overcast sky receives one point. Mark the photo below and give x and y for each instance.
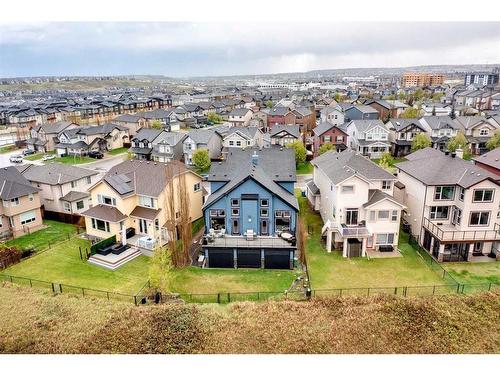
(194, 49)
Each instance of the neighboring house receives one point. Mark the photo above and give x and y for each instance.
(209, 139)
(167, 118)
(440, 130)
(43, 138)
(368, 137)
(477, 130)
(134, 196)
(240, 116)
(132, 122)
(282, 135)
(452, 205)
(333, 115)
(63, 188)
(20, 210)
(251, 210)
(260, 117)
(280, 116)
(436, 109)
(490, 161)
(243, 137)
(157, 145)
(360, 112)
(81, 140)
(355, 199)
(387, 109)
(328, 133)
(305, 118)
(401, 134)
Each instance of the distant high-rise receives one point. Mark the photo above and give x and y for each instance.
(482, 78)
(422, 79)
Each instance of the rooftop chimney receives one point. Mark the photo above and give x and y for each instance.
(460, 153)
(255, 158)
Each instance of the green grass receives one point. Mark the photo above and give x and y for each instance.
(6, 149)
(118, 151)
(467, 272)
(55, 232)
(72, 160)
(198, 280)
(62, 264)
(305, 168)
(39, 155)
(197, 225)
(331, 270)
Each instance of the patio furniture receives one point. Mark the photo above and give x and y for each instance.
(250, 235)
(287, 236)
(220, 233)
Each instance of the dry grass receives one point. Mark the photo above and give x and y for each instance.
(36, 322)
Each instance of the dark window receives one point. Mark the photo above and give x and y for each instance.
(444, 192)
(439, 212)
(483, 195)
(480, 218)
(264, 202)
(235, 202)
(79, 205)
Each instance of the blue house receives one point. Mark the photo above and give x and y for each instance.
(251, 213)
(360, 112)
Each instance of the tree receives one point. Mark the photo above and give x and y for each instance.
(459, 141)
(215, 118)
(300, 151)
(160, 268)
(494, 141)
(337, 97)
(269, 104)
(201, 159)
(410, 112)
(325, 147)
(420, 141)
(156, 124)
(386, 160)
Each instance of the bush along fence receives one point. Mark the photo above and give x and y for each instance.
(102, 244)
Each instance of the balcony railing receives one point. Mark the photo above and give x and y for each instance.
(462, 235)
(356, 231)
(241, 241)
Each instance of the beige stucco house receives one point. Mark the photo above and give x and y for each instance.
(133, 196)
(20, 209)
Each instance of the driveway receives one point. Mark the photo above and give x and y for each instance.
(106, 163)
(4, 158)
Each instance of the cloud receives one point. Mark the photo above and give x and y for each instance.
(187, 49)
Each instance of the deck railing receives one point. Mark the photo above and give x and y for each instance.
(242, 241)
(463, 235)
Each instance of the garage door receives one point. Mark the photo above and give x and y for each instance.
(220, 259)
(248, 258)
(277, 259)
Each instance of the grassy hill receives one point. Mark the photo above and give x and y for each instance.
(37, 322)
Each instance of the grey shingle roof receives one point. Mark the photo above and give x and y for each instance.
(148, 134)
(56, 173)
(433, 167)
(73, 196)
(491, 158)
(376, 195)
(293, 130)
(402, 123)
(339, 166)
(145, 212)
(239, 112)
(106, 213)
(365, 125)
(14, 185)
(279, 163)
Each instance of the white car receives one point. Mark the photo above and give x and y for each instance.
(16, 159)
(48, 157)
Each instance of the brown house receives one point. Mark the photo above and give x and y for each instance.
(387, 109)
(326, 133)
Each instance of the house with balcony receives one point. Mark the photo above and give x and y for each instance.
(251, 213)
(452, 206)
(20, 210)
(478, 130)
(440, 130)
(63, 188)
(354, 197)
(401, 134)
(368, 137)
(132, 203)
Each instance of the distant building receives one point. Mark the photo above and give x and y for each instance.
(481, 78)
(422, 79)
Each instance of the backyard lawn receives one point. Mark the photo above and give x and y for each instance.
(55, 232)
(305, 168)
(331, 270)
(62, 264)
(198, 280)
(467, 272)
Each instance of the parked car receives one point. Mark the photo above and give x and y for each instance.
(95, 154)
(195, 126)
(48, 157)
(16, 159)
(28, 152)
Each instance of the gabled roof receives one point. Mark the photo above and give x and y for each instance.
(339, 166)
(433, 167)
(148, 134)
(440, 122)
(106, 213)
(366, 125)
(56, 173)
(279, 111)
(400, 124)
(376, 195)
(362, 108)
(14, 185)
(239, 112)
(293, 130)
(324, 127)
(469, 122)
(257, 174)
(491, 158)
